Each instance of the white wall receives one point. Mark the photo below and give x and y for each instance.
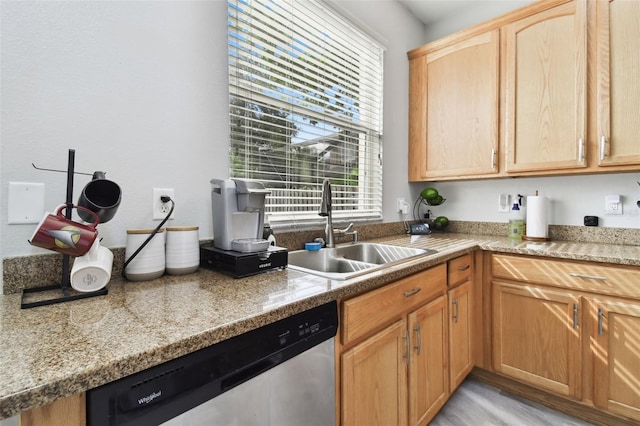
(139, 90)
(570, 198)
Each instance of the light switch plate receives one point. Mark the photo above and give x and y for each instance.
(26, 202)
(504, 205)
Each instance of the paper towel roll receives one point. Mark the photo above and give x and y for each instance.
(537, 210)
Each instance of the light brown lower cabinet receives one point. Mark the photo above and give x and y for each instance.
(615, 341)
(69, 411)
(406, 346)
(570, 328)
(374, 379)
(536, 337)
(428, 379)
(460, 337)
(394, 363)
(403, 365)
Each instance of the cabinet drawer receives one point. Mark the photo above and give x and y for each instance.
(459, 270)
(591, 277)
(364, 314)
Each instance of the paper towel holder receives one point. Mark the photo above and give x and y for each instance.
(530, 238)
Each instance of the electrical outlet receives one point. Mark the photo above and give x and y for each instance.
(399, 204)
(612, 205)
(161, 209)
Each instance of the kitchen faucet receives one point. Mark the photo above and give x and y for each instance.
(325, 211)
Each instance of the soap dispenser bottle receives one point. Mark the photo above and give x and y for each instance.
(516, 222)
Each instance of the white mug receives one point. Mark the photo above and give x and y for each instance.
(183, 250)
(149, 263)
(92, 271)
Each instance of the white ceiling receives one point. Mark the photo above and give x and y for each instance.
(430, 11)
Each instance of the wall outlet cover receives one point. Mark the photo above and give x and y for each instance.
(25, 202)
(161, 209)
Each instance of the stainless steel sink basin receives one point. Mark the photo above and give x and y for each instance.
(351, 260)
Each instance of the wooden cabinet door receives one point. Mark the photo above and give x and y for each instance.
(428, 378)
(453, 113)
(618, 84)
(616, 347)
(460, 353)
(536, 337)
(545, 89)
(374, 379)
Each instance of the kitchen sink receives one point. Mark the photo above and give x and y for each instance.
(348, 261)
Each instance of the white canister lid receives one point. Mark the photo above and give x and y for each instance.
(182, 228)
(143, 231)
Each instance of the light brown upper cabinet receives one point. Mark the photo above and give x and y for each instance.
(545, 60)
(548, 89)
(453, 114)
(618, 68)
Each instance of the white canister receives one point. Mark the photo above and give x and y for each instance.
(183, 250)
(149, 264)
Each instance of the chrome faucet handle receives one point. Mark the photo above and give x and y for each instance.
(345, 230)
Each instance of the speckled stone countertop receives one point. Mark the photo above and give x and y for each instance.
(56, 351)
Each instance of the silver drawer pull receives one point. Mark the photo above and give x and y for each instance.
(463, 268)
(411, 292)
(408, 340)
(589, 277)
(600, 328)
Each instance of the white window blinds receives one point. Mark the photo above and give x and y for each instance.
(305, 104)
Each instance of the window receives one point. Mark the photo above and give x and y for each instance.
(305, 104)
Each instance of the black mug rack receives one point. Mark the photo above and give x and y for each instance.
(58, 293)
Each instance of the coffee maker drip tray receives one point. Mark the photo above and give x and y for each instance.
(239, 264)
(249, 245)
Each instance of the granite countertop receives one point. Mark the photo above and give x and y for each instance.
(51, 352)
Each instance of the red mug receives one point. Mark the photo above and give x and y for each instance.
(56, 232)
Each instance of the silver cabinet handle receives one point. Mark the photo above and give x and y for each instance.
(493, 158)
(589, 277)
(464, 268)
(412, 292)
(575, 316)
(580, 149)
(603, 146)
(600, 316)
(408, 355)
(417, 330)
(455, 314)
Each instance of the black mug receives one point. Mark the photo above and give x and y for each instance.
(101, 196)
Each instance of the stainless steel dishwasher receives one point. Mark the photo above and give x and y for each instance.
(280, 374)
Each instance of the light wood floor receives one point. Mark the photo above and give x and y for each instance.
(478, 404)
